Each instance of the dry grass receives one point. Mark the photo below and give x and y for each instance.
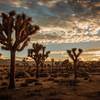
(50, 88)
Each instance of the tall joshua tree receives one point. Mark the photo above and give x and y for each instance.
(15, 31)
(39, 55)
(74, 55)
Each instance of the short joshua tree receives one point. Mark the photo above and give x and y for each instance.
(74, 55)
(15, 32)
(45, 54)
(39, 55)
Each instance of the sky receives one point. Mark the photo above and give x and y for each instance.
(63, 25)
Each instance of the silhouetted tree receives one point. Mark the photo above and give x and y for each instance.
(65, 64)
(0, 55)
(39, 55)
(44, 56)
(74, 55)
(15, 31)
(52, 65)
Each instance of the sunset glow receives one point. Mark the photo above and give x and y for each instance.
(60, 26)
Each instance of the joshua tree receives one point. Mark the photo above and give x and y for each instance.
(39, 55)
(15, 31)
(44, 56)
(74, 55)
(65, 64)
(52, 62)
(0, 55)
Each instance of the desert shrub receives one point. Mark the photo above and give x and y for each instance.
(4, 84)
(60, 81)
(21, 75)
(34, 93)
(6, 77)
(43, 75)
(92, 95)
(0, 70)
(24, 84)
(54, 75)
(86, 78)
(84, 75)
(65, 75)
(53, 98)
(38, 83)
(32, 73)
(54, 93)
(66, 82)
(50, 79)
(73, 82)
(29, 81)
(37, 90)
(1, 78)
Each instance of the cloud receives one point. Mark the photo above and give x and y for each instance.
(59, 11)
(49, 3)
(5, 1)
(93, 49)
(61, 35)
(16, 3)
(57, 16)
(63, 25)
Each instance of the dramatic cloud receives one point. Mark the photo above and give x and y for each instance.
(62, 23)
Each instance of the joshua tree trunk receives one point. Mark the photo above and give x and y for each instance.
(12, 70)
(42, 66)
(74, 55)
(75, 70)
(37, 71)
(52, 66)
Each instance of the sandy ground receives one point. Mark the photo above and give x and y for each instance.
(57, 89)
